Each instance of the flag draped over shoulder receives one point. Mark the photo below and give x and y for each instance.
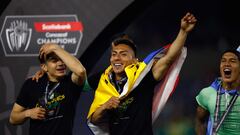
(135, 73)
(166, 87)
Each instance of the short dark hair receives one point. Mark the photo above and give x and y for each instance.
(123, 38)
(237, 53)
(43, 59)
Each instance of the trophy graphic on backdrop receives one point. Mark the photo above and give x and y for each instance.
(18, 36)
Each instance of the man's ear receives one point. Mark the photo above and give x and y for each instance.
(43, 67)
(135, 60)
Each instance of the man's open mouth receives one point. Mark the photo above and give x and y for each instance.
(117, 65)
(227, 72)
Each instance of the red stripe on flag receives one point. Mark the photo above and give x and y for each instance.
(167, 46)
(161, 87)
(175, 85)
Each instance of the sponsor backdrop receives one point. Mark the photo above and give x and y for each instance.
(24, 35)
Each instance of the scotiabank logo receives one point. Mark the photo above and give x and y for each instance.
(24, 35)
(57, 26)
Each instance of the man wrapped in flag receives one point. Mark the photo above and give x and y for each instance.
(219, 103)
(123, 100)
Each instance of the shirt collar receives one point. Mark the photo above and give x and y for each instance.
(217, 85)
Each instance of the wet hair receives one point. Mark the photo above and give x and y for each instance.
(237, 53)
(123, 38)
(43, 59)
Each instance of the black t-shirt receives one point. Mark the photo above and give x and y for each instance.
(134, 115)
(59, 101)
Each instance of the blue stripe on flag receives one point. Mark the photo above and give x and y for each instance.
(153, 54)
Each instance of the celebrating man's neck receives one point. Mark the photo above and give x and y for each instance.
(119, 76)
(53, 79)
(230, 86)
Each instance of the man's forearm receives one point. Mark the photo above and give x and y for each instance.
(201, 121)
(177, 45)
(71, 62)
(98, 115)
(78, 71)
(200, 128)
(18, 117)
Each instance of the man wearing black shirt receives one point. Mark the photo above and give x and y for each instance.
(50, 103)
(127, 106)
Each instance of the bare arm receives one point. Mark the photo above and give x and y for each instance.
(201, 118)
(187, 24)
(78, 71)
(20, 114)
(97, 116)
